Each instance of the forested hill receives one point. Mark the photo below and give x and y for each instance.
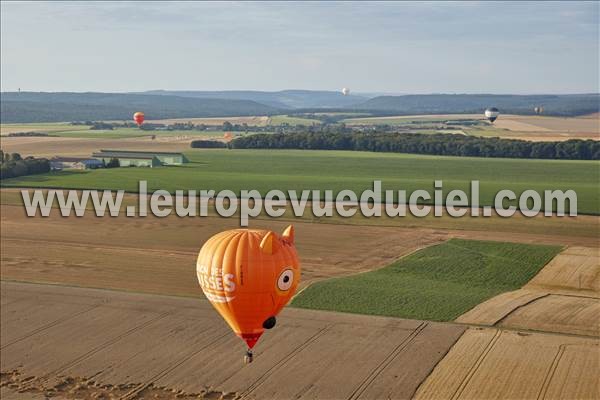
(22, 107)
(561, 105)
(279, 99)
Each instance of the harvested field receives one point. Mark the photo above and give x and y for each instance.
(493, 310)
(63, 341)
(494, 364)
(129, 253)
(526, 127)
(257, 120)
(158, 255)
(558, 313)
(563, 297)
(49, 128)
(589, 125)
(577, 269)
(401, 118)
(84, 147)
(581, 230)
(542, 128)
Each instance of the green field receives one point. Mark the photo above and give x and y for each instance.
(122, 133)
(50, 127)
(286, 119)
(438, 283)
(265, 170)
(125, 133)
(84, 131)
(393, 120)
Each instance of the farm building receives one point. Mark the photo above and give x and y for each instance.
(129, 160)
(141, 158)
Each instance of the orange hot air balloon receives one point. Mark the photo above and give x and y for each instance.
(228, 136)
(249, 276)
(138, 117)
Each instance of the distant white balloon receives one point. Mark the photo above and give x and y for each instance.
(345, 91)
(491, 114)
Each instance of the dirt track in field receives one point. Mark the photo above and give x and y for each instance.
(80, 343)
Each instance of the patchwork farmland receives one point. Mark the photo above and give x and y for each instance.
(342, 200)
(128, 255)
(110, 308)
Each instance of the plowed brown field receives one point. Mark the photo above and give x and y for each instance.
(84, 343)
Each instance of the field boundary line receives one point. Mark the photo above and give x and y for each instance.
(465, 382)
(364, 385)
(261, 379)
(574, 295)
(517, 329)
(551, 370)
(433, 368)
(499, 321)
(134, 392)
(50, 325)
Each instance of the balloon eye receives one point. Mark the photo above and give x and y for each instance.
(285, 279)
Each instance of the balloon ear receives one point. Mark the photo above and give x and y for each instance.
(288, 234)
(269, 244)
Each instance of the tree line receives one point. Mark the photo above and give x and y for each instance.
(433, 144)
(208, 144)
(13, 165)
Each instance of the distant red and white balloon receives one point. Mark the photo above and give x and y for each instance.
(138, 117)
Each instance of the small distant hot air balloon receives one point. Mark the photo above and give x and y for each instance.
(491, 114)
(138, 117)
(249, 276)
(345, 91)
(228, 136)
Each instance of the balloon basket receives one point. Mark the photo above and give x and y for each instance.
(248, 357)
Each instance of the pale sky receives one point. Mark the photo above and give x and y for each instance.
(474, 47)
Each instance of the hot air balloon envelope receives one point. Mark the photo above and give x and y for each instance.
(492, 113)
(138, 117)
(249, 276)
